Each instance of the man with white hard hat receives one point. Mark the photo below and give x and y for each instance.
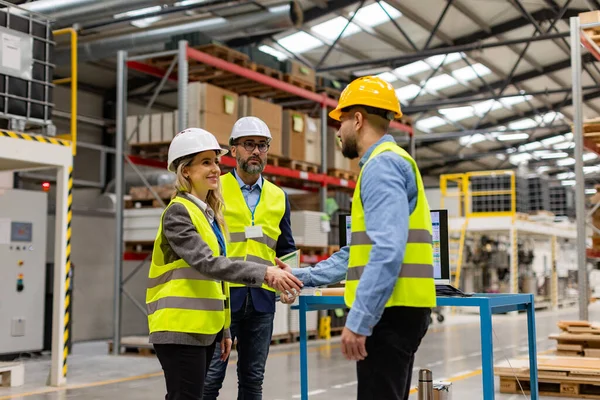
(258, 217)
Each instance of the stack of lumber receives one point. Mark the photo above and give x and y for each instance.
(578, 338)
(591, 17)
(557, 376)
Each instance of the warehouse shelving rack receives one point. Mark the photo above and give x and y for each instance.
(180, 57)
(580, 38)
(504, 221)
(22, 151)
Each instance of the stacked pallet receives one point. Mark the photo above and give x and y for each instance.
(557, 376)
(578, 338)
(590, 18)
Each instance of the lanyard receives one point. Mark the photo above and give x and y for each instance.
(220, 238)
(252, 211)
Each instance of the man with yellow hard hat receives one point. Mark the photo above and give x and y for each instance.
(388, 266)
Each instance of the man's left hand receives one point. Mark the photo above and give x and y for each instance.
(225, 348)
(353, 345)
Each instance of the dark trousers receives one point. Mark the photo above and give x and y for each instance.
(253, 331)
(185, 369)
(387, 371)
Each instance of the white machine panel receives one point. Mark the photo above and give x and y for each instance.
(23, 217)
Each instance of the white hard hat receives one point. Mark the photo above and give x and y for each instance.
(192, 141)
(249, 126)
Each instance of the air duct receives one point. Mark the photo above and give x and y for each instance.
(271, 20)
(68, 12)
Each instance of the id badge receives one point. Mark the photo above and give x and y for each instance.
(254, 232)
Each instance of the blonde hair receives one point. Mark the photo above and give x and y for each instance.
(214, 198)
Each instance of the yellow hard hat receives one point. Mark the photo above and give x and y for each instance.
(368, 91)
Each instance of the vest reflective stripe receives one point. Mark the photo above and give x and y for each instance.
(179, 273)
(407, 271)
(415, 286)
(414, 236)
(179, 298)
(186, 303)
(268, 214)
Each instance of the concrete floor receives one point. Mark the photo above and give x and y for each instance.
(451, 350)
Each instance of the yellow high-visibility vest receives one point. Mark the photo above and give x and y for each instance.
(268, 213)
(415, 286)
(178, 297)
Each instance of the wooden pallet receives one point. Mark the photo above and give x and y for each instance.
(281, 338)
(145, 203)
(555, 387)
(156, 151)
(273, 73)
(300, 165)
(310, 335)
(577, 338)
(274, 160)
(301, 83)
(342, 174)
(134, 345)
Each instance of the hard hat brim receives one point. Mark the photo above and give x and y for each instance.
(337, 114)
(220, 152)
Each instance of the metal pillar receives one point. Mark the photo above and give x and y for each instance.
(514, 262)
(121, 105)
(412, 146)
(554, 276)
(579, 178)
(323, 190)
(182, 85)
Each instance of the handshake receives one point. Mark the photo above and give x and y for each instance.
(281, 279)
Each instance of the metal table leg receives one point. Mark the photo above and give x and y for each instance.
(487, 351)
(303, 353)
(531, 336)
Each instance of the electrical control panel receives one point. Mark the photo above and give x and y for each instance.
(23, 219)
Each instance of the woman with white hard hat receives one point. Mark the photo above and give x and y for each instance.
(187, 296)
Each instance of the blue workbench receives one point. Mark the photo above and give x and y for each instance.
(488, 305)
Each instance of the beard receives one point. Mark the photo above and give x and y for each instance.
(251, 169)
(350, 148)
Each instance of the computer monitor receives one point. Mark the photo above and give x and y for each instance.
(441, 255)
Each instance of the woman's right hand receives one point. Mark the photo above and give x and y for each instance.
(282, 280)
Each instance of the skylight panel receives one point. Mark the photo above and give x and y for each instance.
(551, 155)
(188, 2)
(566, 162)
(569, 136)
(530, 146)
(145, 22)
(331, 29)
(568, 183)
(412, 69)
(512, 100)
(407, 92)
(507, 137)
(300, 42)
(564, 146)
(482, 107)
(590, 191)
(523, 124)
(430, 123)
(589, 156)
(565, 175)
(440, 82)
(138, 12)
(468, 73)
(372, 15)
(388, 77)
(275, 53)
(549, 117)
(520, 158)
(591, 169)
(471, 139)
(435, 61)
(553, 140)
(458, 113)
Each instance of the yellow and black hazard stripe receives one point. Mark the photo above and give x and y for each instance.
(68, 274)
(35, 138)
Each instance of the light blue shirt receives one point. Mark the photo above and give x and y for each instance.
(389, 195)
(251, 192)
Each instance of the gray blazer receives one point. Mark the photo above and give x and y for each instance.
(184, 242)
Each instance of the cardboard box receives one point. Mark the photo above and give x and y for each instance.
(294, 135)
(131, 122)
(270, 113)
(312, 147)
(169, 126)
(155, 128)
(143, 133)
(335, 159)
(299, 71)
(589, 17)
(212, 108)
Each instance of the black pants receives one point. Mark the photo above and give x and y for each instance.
(387, 371)
(185, 369)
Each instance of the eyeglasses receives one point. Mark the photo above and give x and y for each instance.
(250, 146)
